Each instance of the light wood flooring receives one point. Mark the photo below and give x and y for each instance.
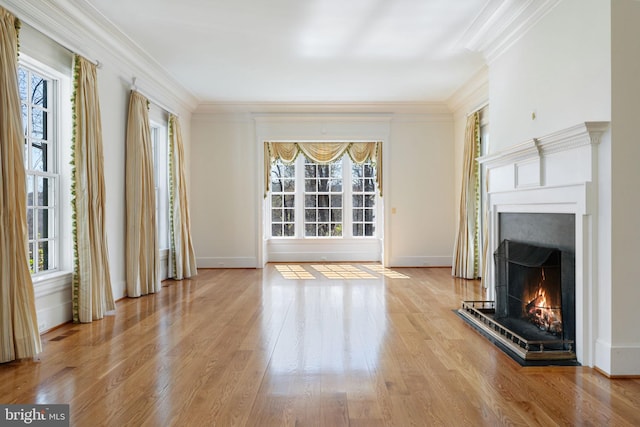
(309, 345)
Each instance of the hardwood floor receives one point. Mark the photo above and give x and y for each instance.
(252, 347)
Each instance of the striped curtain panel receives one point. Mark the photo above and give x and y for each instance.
(142, 255)
(466, 250)
(92, 293)
(18, 322)
(182, 258)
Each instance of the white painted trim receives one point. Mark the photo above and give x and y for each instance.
(280, 109)
(420, 261)
(227, 262)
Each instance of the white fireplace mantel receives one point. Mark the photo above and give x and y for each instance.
(556, 173)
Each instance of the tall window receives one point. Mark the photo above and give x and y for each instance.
(310, 200)
(160, 171)
(37, 94)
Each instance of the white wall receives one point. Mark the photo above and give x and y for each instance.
(560, 70)
(53, 292)
(625, 177)
(227, 171)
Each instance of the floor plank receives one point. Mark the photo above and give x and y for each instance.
(250, 347)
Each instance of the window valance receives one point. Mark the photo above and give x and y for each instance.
(323, 153)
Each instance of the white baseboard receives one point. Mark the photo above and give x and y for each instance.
(230, 262)
(618, 360)
(417, 261)
(324, 257)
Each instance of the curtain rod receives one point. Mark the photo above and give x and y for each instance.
(478, 108)
(151, 99)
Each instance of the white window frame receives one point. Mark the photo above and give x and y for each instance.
(347, 212)
(160, 146)
(52, 139)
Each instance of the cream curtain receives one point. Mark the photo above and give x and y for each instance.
(182, 258)
(466, 249)
(142, 256)
(92, 294)
(18, 322)
(323, 152)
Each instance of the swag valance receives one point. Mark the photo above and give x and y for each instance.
(323, 153)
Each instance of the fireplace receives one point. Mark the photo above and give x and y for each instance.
(529, 294)
(529, 184)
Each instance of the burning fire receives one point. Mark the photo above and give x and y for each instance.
(542, 313)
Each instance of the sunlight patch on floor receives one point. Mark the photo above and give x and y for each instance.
(294, 272)
(386, 271)
(342, 271)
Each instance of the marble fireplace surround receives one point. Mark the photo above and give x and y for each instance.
(557, 173)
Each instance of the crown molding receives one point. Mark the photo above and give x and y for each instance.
(80, 28)
(583, 134)
(473, 93)
(501, 23)
(346, 108)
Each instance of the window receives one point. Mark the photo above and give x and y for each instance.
(160, 170)
(310, 200)
(37, 94)
(283, 199)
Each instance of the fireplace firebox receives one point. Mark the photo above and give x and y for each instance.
(529, 290)
(533, 313)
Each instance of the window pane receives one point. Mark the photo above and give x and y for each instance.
(32, 266)
(310, 201)
(310, 215)
(323, 185)
(336, 201)
(43, 256)
(357, 229)
(369, 171)
(276, 185)
(30, 223)
(39, 90)
(38, 123)
(276, 230)
(323, 215)
(370, 200)
(310, 185)
(323, 201)
(22, 83)
(357, 185)
(289, 230)
(336, 215)
(30, 190)
(276, 215)
(336, 170)
(335, 185)
(44, 226)
(25, 120)
(44, 191)
(289, 201)
(289, 185)
(336, 230)
(369, 185)
(357, 201)
(38, 156)
(323, 171)
(289, 215)
(289, 171)
(369, 229)
(276, 201)
(323, 230)
(310, 230)
(358, 215)
(309, 171)
(369, 215)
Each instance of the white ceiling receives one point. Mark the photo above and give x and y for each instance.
(306, 50)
